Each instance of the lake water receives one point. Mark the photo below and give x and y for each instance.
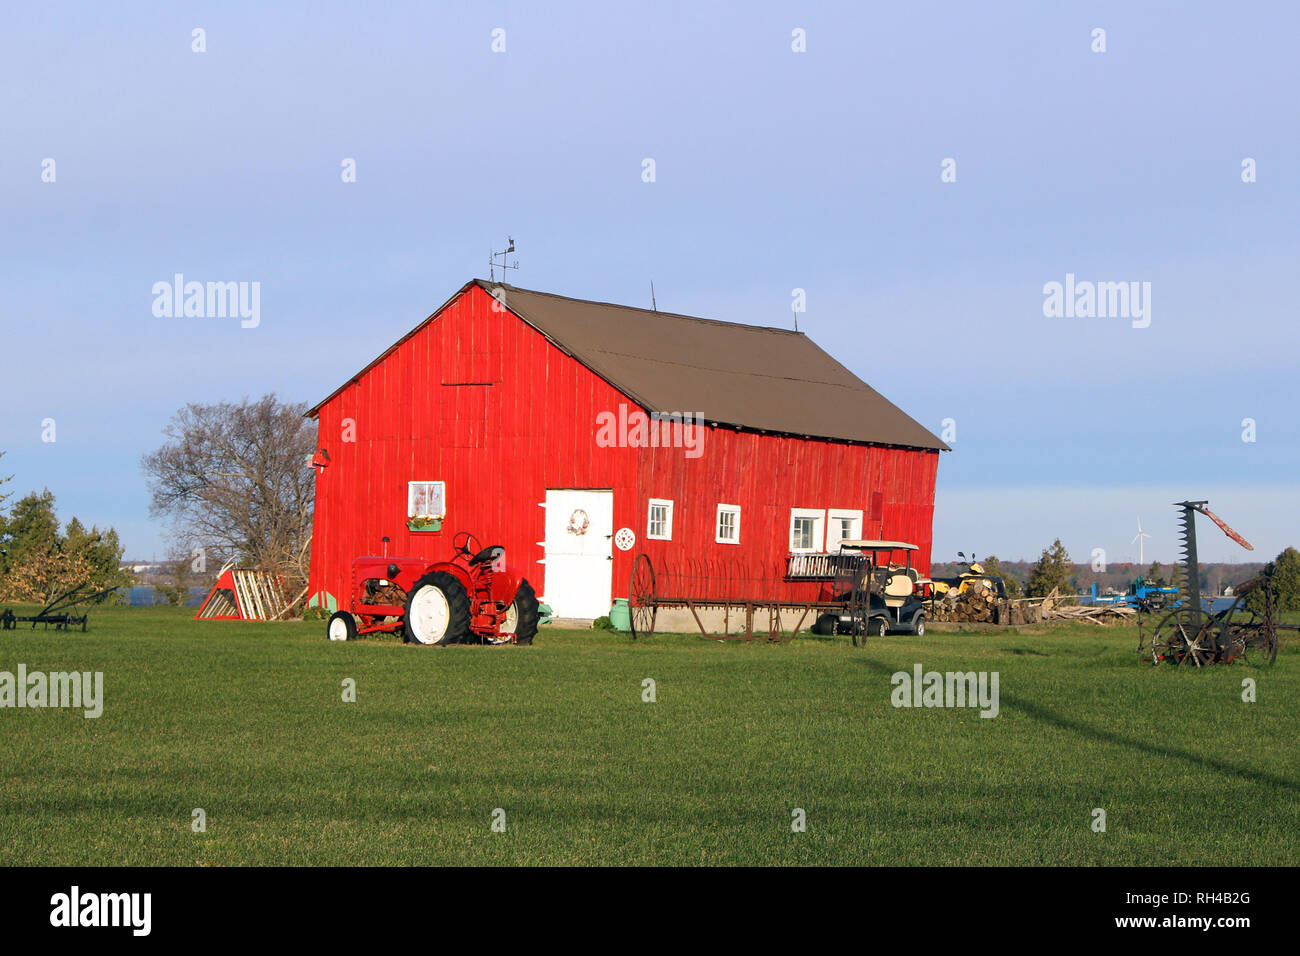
(146, 596)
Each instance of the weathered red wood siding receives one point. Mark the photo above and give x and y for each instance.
(482, 401)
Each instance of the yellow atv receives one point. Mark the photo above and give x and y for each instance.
(972, 577)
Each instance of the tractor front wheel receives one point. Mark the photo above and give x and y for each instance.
(437, 611)
(523, 615)
(342, 627)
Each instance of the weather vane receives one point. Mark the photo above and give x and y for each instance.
(492, 261)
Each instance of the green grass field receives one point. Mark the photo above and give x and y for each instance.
(247, 722)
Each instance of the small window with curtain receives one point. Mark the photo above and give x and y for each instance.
(426, 500)
(842, 525)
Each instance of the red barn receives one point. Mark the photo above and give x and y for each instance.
(578, 434)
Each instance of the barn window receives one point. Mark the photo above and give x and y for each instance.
(842, 525)
(660, 523)
(426, 499)
(728, 527)
(806, 529)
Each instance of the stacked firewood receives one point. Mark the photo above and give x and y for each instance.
(980, 605)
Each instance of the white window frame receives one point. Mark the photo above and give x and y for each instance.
(410, 498)
(717, 524)
(668, 519)
(819, 529)
(833, 517)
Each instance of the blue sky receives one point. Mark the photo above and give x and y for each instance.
(774, 170)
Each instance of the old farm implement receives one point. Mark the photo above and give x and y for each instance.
(866, 588)
(1194, 633)
(57, 610)
(723, 592)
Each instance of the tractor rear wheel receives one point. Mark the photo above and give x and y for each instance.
(437, 611)
(523, 615)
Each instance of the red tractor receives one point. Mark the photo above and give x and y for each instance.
(471, 599)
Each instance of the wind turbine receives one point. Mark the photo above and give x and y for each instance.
(1138, 538)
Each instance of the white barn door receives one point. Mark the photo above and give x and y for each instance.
(579, 543)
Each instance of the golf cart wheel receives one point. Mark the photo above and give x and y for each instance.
(522, 617)
(437, 611)
(918, 626)
(342, 626)
(825, 625)
(878, 627)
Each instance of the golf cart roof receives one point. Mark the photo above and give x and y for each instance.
(878, 545)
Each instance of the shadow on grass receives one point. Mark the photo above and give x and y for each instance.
(1047, 716)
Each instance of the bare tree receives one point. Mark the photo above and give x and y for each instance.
(237, 481)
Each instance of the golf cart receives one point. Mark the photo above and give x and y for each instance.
(878, 589)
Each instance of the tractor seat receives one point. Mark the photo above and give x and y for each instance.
(487, 555)
(898, 589)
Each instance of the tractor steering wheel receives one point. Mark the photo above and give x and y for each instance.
(461, 542)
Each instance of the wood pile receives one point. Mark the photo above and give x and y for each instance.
(1101, 614)
(981, 605)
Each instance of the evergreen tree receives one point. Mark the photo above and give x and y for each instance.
(1285, 570)
(1285, 573)
(1155, 576)
(39, 561)
(1053, 570)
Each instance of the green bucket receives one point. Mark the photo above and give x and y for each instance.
(619, 615)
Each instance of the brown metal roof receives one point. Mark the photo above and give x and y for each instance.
(740, 375)
(760, 378)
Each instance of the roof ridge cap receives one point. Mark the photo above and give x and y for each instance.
(486, 284)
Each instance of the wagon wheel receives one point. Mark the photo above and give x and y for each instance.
(858, 631)
(1178, 640)
(641, 601)
(1256, 642)
(1208, 644)
(1261, 641)
(1266, 646)
(1196, 646)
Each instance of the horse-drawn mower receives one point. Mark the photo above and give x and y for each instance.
(1194, 632)
(472, 599)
